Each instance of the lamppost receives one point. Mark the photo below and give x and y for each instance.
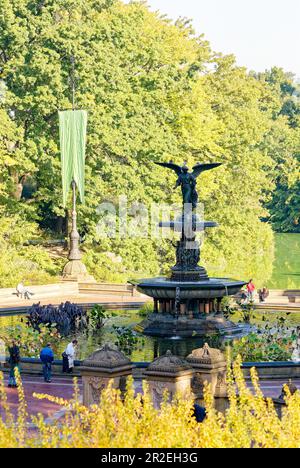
(75, 270)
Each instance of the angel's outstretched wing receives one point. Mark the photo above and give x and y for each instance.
(203, 167)
(172, 166)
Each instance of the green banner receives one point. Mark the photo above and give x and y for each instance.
(72, 131)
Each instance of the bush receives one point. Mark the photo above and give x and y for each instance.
(18, 262)
(30, 341)
(250, 421)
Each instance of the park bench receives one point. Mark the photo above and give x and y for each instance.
(293, 296)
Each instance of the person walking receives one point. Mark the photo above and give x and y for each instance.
(14, 361)
(251, 290)
(70, 354)
(47, 357)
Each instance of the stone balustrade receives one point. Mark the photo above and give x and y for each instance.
(105, 365)
(167, 373)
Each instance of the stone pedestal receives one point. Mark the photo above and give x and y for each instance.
(168, 373)
(104, 365)
(75, 270)
(210, 366)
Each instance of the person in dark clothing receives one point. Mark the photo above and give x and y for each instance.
(263, 294)
(65, 361)
(199, 413)
(47, 357)
(14, 361)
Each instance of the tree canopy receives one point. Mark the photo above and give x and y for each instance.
(154, 91)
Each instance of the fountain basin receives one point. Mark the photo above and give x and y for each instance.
(212, 288)
(188, 308)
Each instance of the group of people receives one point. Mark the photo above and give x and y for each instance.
(46, 357)
(248, 293)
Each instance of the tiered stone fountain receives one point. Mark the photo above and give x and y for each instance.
(188, 302)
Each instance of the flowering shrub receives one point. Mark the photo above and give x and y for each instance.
(250, 421)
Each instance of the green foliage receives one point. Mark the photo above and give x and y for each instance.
(256, 348)
(271, 342)
(30, 341)
(146, 309)
(246, 310)
(98, 316)
(283, 144)
(127, 340)
(30, 264)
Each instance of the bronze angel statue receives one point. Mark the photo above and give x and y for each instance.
(188, 180)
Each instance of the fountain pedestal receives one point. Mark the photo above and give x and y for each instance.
(188, 303)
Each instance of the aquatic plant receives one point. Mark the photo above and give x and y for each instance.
(146, 309)
(269, 342)
(67, 317)
(128, 340)
(98, 316)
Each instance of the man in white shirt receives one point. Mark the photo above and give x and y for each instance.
(71, 352)
(20, 290)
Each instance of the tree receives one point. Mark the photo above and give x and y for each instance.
(154, 91)
(282, 143)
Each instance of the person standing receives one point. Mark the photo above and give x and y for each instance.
(14, 361)
(47, 357)
(251, 290)
(70, 353)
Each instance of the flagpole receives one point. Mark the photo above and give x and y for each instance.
(75, 270)
(74, 253)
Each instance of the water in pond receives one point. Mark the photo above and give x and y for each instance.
(286, 267)
(150, 347)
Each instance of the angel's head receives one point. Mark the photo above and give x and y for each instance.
(185, 169)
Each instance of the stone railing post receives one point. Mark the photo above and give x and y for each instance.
(210, 366)
(104, 365)
(168, 373)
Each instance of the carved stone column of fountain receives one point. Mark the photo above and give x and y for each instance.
(104, 365)
(210, 366)
(171, 373)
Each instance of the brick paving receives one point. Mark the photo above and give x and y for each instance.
(59, 387)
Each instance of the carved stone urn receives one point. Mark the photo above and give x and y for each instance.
(210, 366)
(170, 374)
(104, 365)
